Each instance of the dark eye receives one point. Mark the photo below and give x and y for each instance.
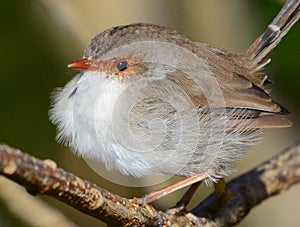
(123, 65)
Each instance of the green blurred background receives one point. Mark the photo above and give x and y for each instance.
(38, 39)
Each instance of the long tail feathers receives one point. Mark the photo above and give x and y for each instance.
(264, 44)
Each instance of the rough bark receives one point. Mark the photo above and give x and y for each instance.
(248, 190)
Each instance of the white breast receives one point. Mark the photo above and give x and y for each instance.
(85, 115)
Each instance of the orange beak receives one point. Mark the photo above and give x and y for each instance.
(81, 64)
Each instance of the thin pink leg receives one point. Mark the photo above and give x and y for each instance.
(153, 196)
(186, 198)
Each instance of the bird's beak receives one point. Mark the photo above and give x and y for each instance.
(81, 64)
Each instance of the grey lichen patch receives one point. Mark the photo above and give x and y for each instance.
(19, 161)
(10, 168)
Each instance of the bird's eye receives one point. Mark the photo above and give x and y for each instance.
(123, 65)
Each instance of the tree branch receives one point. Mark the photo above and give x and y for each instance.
(266, 180)
(248, 190)
(43, 177)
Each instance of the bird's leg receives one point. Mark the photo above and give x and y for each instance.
(222, 195)
(185, 199)
(153, 196)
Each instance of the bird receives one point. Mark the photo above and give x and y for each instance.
(148, 100)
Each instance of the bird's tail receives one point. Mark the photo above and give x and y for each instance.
(264, 44)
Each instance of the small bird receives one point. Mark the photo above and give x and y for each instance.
(148, 100)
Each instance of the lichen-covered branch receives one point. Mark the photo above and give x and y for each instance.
(44, 177)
